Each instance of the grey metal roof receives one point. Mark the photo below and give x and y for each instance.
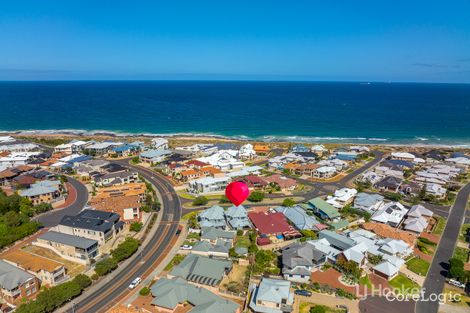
(11, 276)
(69, 240)
(169, 293)
(337, 240)
(202, 269)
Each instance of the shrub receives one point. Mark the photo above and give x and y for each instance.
(125, 249)
(256, 196)
(318, 309)
(95, 276)
(201, 200)
(82, 280)
(288, 202)
(105, 266)
(144, 291)
(136, 226)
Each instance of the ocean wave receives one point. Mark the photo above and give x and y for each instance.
(417, 141)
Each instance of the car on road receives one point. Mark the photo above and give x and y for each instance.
(186, 247)
(456, 283)
(302, 292)
(135, 282)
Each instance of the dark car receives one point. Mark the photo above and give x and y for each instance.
(302, 292)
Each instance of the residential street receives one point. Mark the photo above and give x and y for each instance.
(52, 218)
(104, 298)
(434, 282)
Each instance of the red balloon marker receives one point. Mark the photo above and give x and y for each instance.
(237, 192)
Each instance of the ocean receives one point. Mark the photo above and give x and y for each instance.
(389, 113)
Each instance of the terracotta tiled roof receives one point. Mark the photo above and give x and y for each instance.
(189, 172)
(211, 170)
(115, 203)
(384, 230)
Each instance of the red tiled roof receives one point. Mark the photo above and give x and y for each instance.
(270, 223)
(255, 180)
(196, 163)
(283, 182)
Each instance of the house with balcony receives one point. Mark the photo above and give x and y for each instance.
(46, 191)
(97, 225)
(16, 284)
(48, 271)
(300, 260)
(272, 296)
(208, 185)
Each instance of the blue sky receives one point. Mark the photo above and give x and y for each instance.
(424, 41)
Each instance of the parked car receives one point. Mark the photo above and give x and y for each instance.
(135, 282)
(456, 283)
(186, 247)
(343, 307)
(302, 292)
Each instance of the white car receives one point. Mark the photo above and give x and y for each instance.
(456, 283)
(135, 282)
(186, 247)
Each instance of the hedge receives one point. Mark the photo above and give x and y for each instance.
(52, 298)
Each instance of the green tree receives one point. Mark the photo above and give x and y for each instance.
(288, 202)
(201, 200)
(256, 196)
(456, 269)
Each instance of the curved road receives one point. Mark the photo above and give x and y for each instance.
(52, 218)
(105, 297)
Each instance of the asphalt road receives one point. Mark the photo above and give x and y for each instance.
(382, 305)
(52, 218)
(435, 279)
(103, 299)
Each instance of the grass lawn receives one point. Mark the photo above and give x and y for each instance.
(404, 285)
(186, 217)
(364, 280)
(463, 231)
(243, 241)
(465, 300)
(461, 254)
(441, 224)
(418, 266)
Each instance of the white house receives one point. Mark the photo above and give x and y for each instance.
(324, 172)
(391, 213)
(160, 143)
(208, 185)
(247, 151)
(225, 160)
(342, 197)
